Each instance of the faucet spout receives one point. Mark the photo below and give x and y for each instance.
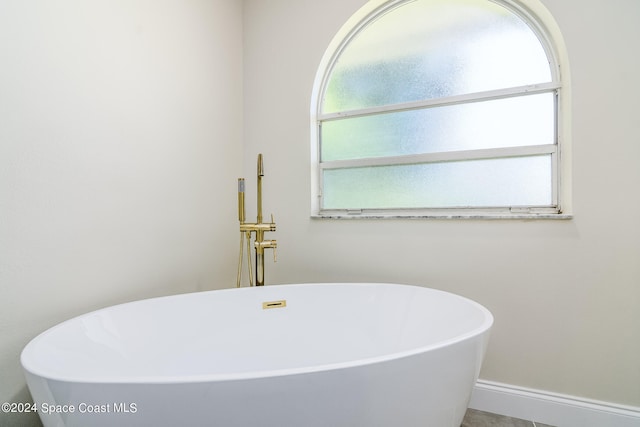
(260, 165)
(260, 175)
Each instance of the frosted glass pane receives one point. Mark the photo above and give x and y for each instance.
(427, 49)
(478, 183)
(521, 121)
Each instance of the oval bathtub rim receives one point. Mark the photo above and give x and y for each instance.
(204, 378)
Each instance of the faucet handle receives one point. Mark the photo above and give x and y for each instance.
(273, 244)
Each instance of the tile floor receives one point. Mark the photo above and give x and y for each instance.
(475, 418)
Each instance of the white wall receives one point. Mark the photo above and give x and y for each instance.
(565, 294)
(120, 141)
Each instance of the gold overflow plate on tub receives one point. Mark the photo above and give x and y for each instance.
(274, 304)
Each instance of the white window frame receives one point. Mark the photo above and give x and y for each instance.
(543, 25)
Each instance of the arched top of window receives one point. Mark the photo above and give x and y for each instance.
(425, 49)
(417, 96)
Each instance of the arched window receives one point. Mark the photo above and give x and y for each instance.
(439, 108)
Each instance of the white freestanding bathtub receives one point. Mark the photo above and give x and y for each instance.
(357, 355)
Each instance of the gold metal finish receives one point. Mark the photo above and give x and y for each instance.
(259, 228)
(241, 213)
(274, 304)
(260, 175)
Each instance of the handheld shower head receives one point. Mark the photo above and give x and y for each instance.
(241, 211)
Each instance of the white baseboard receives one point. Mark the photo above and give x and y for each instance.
(551, 408)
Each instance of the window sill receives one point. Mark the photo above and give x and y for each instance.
(444, 215)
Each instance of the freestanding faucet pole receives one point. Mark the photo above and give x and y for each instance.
(259, 231)
(258, 227)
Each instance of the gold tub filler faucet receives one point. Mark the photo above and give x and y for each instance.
(259, 228)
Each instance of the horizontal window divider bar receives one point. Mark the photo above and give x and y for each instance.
(446, 101)
(448, 156)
